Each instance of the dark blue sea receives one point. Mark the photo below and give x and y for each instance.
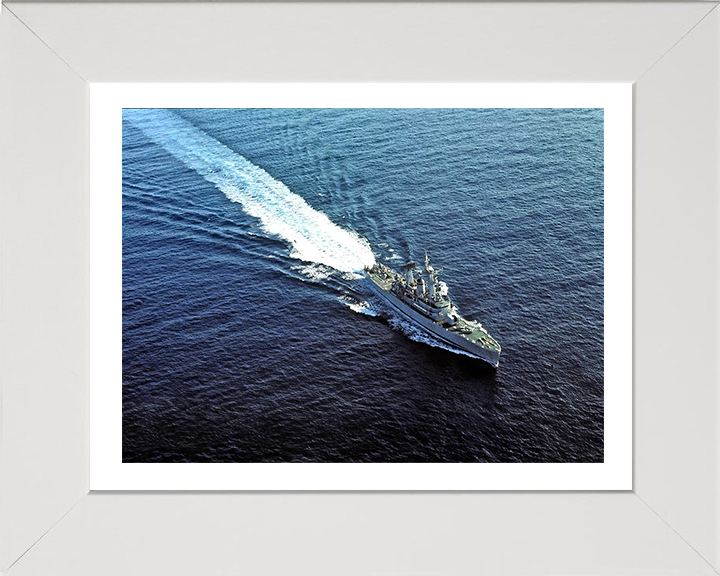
(248, 335)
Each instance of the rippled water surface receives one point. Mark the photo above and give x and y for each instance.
(249, 337)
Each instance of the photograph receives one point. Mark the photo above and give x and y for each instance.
(363, 285)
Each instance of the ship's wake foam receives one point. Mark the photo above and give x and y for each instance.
(358, 305)
(313, 237)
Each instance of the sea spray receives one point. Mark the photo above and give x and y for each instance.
(313, 237)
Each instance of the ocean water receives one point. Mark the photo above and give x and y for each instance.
(249, 336)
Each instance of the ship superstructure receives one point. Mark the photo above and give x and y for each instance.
(418, 295)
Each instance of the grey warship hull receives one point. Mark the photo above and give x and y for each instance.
(435, 316)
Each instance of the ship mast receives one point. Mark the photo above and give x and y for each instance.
(431, 277)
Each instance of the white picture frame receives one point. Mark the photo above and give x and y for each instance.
(49, 523)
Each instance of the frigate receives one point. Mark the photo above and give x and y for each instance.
(422, 299)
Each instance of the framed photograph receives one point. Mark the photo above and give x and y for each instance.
(127, 249)
(545, 170)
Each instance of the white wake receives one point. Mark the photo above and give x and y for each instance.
(313, 237)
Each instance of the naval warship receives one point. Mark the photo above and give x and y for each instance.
(419, 298)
